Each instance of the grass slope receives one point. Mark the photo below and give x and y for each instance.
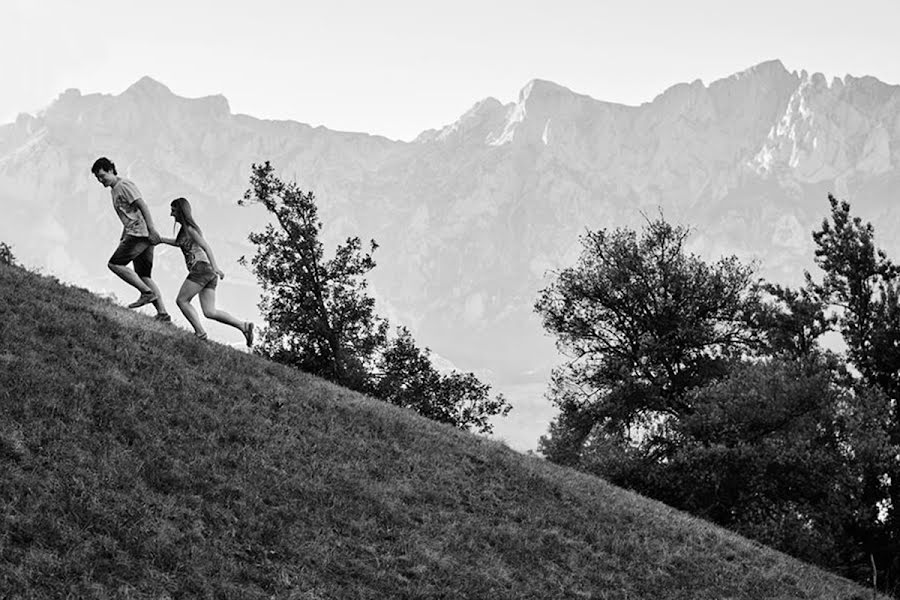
(138, 462)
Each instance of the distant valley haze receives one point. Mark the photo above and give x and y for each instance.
(472, 217)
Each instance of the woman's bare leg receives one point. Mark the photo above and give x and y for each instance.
(188, 290)
(208, 304)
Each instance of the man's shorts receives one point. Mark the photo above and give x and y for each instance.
(203, 275)
(136, 249)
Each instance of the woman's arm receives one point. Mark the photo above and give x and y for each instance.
(169, 241)
(198, 239)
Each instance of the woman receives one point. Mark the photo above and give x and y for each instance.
(203, 274)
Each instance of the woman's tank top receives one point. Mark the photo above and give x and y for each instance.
(192, 251)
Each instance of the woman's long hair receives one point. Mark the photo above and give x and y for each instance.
(183, 214)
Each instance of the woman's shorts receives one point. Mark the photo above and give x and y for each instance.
(203, 275)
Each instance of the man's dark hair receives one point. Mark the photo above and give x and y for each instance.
(105, 164)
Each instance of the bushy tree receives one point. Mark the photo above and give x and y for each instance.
(698, 386)
(776, 451)
(406, 377)
(321, 319)
(643, 322)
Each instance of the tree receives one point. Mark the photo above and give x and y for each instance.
(6, 255)
(792, 322)
(776, 451)
(407, 378)
(321, 319)
(319, 315)
(861, 284)
(643, 322)
(696, 386)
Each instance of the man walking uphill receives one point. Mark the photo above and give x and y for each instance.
(138, 237)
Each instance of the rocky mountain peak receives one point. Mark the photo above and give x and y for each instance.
(151, 94)
(541, 102)
(148, 87)
(474, 124)
(834, 130)
(539, 91)
(768, 69)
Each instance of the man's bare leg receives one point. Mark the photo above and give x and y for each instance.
(128, 275)
(158, 303)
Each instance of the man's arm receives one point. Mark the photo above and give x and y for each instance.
(151, 229)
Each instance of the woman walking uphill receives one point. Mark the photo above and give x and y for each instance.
(203, 274)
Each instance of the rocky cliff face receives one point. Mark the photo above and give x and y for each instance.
(473, 216)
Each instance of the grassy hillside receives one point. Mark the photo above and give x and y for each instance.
(138, 462)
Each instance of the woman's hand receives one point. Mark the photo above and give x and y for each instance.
(220, 273)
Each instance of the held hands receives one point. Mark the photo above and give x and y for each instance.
(154, 237)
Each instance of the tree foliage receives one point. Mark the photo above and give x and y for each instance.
(643, 322)
(791, 322)
(6, 255)
(861, 285)
(408, 378)
(321, 319)
(695, 385)
(776, 451)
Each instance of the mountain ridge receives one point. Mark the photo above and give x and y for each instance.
(148, 86)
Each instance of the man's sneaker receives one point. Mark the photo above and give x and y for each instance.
(144, 298)
(248, 334)
(163, 318)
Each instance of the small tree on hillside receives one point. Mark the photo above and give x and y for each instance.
(320, 317)
(322, 320)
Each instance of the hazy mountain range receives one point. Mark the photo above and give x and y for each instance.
(472, 217)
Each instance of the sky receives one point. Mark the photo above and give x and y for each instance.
(398, 67)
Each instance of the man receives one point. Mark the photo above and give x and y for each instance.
(138, 237)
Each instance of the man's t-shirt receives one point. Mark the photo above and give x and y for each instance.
(124, 195)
